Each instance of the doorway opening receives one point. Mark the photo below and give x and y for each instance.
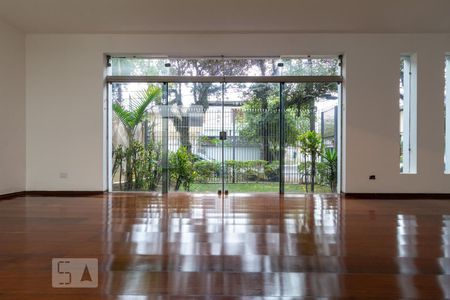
(224, 125)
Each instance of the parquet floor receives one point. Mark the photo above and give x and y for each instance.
(250, 246)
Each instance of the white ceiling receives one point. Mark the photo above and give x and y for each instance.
(147, 16)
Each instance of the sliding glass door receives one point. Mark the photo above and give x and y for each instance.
(252, 148)
(227, 126)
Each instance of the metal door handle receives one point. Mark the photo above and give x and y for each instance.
(223, 135)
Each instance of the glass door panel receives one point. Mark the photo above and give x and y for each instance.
(252, 148)
(135, 137)
(210, 137)
(194, 124)
(311, 112)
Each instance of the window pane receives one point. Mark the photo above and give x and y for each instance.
(194, 123)
(138, 66)
(147, 66)
(311, 67)
(136, 140)
(408, 115)
(447, 115)
(311, 117)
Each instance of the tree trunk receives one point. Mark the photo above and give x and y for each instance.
(265, 133)
(306, 174)
(263, 94)
(313, 171)
(312, 116)
(128, 173)
(178, 183)
(182, 127)
(120, 173)
(181, 124)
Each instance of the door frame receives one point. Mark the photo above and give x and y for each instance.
(282, 80)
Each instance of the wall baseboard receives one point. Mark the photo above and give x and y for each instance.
(12, 195)
(51, 194)
(64, 193)
(395, 196)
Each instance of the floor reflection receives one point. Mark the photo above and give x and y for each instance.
(254, 245)
(237, 245)
(270, 245)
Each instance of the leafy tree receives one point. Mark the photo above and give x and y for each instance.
(302, 96)
(264, 92)
(311, 145)
(260, 126)
(201, 91)
(299, 96)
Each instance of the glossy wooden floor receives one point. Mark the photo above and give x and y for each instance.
(250, 246)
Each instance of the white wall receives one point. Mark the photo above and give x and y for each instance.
(65, 102)
(12, 110)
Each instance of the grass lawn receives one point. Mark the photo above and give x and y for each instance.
(254, 187)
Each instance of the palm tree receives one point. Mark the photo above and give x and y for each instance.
(130, 119)
(136, 115)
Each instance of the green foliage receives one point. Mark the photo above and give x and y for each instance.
(245, 171)
(304, 169)
(301, 96)
(258, 120)
(206, 140)
(253, 187)
(330, 159)
(119, 157)
(206, 170)
(148, 168)
(272, 171)
(259, 125)
(131, 118)
(134, 153)
(310, 142)
(140, 165)
(237, 171)
(311, 145)
(181, 168)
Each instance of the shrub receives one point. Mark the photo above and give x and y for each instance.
(320, 171)
(181, 168)
(240, 171)
(140, 165)
(208, 141)
(272, 171)
(206, 170)
(330, 159)
(311, 145)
